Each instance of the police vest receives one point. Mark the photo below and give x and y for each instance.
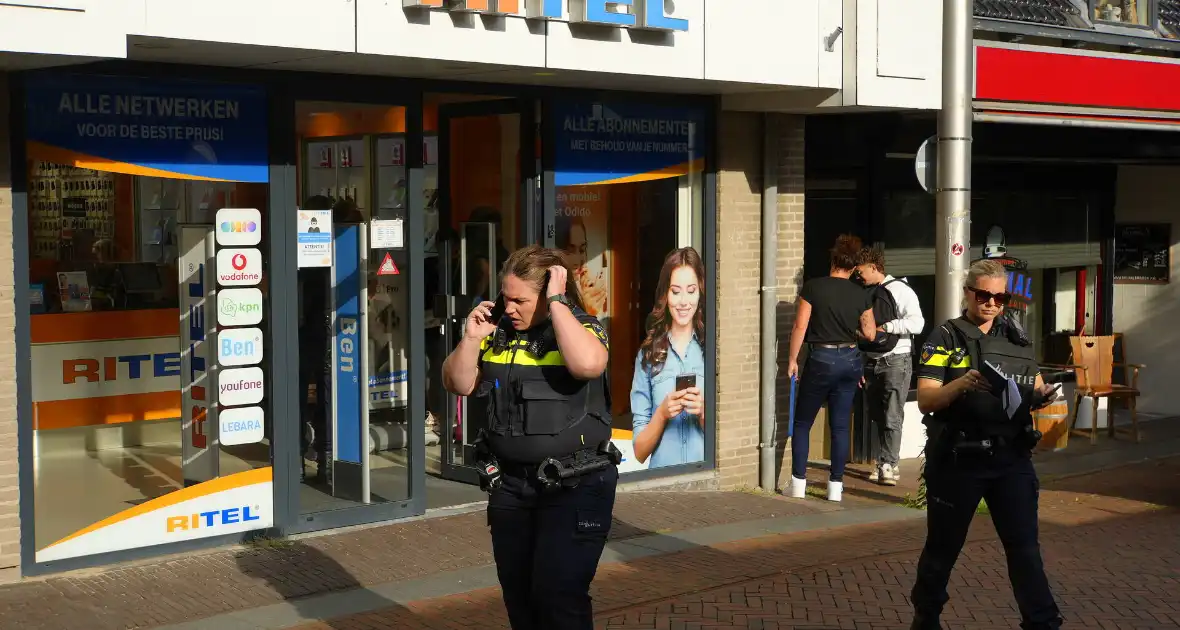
(534, 407)
(981, 414)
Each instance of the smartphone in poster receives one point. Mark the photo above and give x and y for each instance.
(583, 232)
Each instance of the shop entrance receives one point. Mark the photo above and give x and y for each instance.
(482, 212)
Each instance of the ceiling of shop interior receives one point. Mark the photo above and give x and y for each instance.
(268, 58)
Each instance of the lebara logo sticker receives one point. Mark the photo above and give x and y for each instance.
(238, 227)
(240, 386)
(242, 425)
(239, 267)
(239, 346)
(239, 307)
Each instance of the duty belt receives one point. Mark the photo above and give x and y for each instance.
(554, 472)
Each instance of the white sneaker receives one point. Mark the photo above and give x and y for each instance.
(886, 476)
(875, 474)
(798, 488)
(835, 489)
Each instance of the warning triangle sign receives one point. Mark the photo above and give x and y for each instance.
(387, 268)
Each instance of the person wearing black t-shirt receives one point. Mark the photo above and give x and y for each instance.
(833, 313)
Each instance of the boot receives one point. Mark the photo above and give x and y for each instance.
(925, 622)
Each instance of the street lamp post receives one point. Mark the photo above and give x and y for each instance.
(953, 175)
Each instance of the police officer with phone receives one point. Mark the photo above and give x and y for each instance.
(537, 361)
(979, 447)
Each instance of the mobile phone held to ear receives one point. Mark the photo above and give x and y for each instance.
(684, 381)
(498, 309)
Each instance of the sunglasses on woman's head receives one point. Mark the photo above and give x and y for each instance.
(983, 297)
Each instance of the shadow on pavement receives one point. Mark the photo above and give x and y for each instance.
(284, 566)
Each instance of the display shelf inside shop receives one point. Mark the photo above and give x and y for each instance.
(68, 204)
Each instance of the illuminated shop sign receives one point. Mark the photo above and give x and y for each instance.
(639, 14)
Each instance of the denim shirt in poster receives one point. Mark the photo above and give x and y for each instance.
(683, 441)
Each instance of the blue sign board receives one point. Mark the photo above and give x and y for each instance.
(161, 128)
(611, 143)
(347, 349)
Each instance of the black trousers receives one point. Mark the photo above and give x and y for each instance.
(1011, 489)
(547, 546)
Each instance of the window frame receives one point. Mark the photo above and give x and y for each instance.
(1151, 23)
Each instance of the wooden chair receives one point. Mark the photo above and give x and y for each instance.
(1093, 363)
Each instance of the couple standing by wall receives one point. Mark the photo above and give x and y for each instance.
(859, 324)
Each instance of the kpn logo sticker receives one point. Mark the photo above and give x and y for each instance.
(239, 307)
(239, 227)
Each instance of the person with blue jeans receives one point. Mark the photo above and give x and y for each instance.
(668, 425)
(832, 314)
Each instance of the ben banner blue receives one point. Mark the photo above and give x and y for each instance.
(613, 143)
(153, 127)
(347, 340)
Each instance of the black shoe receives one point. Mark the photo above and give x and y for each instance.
(923, 622)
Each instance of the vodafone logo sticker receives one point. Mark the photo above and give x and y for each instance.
(239, 267)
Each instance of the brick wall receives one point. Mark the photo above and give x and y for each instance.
(739, 189)
(9, 487)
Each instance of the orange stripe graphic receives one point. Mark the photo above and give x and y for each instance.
(695, 166)
(221, 484)
(104, 326)
(47, 153)
(65, 414)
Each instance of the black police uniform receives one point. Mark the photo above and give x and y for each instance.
(974, 451)
(547, 533)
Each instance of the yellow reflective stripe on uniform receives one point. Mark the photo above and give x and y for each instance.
(941, 357)
(521, 357)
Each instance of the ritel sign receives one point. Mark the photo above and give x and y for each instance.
(199, 452)
(639, 14)
(132, 366)
(212, 518)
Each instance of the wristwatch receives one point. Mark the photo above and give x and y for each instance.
(561, 299)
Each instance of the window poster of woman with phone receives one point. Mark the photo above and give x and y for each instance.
(667, 403)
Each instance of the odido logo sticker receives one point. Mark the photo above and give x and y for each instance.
(238, 227)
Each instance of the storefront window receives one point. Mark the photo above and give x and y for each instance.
(629, 193)
(137, 442)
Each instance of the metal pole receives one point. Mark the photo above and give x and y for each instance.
(953, 194)
(769, 281)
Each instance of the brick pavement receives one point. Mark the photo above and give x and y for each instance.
(1111, 543)
(196, 586)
